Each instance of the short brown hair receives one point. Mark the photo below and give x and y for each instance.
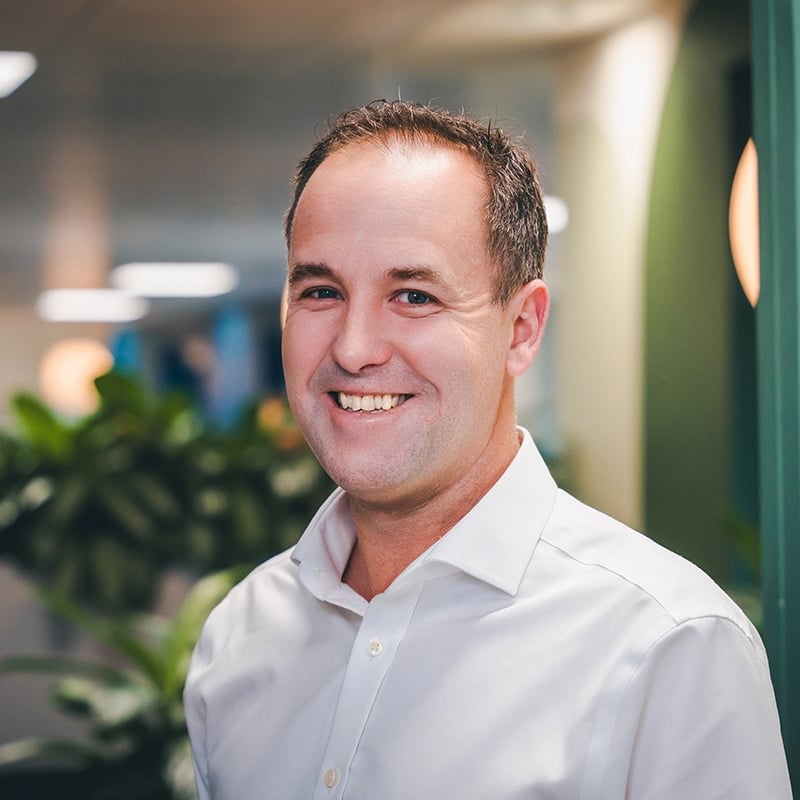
(515, 214)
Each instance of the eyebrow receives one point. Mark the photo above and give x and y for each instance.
(424, 274)
(301, 272)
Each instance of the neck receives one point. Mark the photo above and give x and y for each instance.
(389, 538)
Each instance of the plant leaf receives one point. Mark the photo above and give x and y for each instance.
(27, 749)
(188, 622)
(55, 665)
(44, 430)
(120, 391)
(116, 635)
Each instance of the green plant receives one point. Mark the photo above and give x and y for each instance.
(137, 746)
(94, 509)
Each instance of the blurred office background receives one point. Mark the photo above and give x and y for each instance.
(168, 132)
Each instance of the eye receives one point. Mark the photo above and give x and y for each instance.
(414, 298)
(321, 293)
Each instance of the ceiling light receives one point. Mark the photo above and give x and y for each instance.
(90, 305)
(175, 279)
(15, 68)
(557, 213)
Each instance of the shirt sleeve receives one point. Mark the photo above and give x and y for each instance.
(700, 720)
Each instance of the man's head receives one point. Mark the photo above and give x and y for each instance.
(399, 351)
(516, 226)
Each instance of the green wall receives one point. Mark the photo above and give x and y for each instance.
(699, 426)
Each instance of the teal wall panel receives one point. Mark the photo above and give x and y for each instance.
(776, 89)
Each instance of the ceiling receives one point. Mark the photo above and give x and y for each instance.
(169, 130)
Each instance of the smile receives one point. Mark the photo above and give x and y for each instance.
(369, 402)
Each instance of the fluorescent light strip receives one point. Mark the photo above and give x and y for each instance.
(90, 305)
(16, 67)
(175, 279)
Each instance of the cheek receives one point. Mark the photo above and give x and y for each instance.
(491, 380)
(484, 357)
(468, 369)
(296, 371)
(300, 346)
(288, 358)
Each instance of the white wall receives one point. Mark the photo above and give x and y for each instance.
(608, 100)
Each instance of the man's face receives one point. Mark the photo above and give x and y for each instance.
(395, 355)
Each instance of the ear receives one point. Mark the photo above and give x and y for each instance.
(529, 309)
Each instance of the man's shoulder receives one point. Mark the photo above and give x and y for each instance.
(276, 571)
(636, 566)
(246, 604)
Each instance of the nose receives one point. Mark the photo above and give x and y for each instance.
(361, 340)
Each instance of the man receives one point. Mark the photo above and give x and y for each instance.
(451, 625)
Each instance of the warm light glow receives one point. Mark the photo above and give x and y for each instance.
(15, 68)
(507, 23)
(90, 305)
(67, 372)
(557, 213)
(743, 223)
(175, 279)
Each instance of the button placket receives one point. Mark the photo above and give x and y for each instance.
(382, 627)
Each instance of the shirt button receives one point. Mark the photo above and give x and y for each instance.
(375, 647)
(331, 778)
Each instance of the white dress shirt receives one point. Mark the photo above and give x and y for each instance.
(538, 650)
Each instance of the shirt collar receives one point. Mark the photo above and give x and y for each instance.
(493, 542)
(323, 550)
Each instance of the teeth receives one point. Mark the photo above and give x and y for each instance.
(370, 402)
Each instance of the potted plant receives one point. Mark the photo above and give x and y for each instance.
(137, 746)
(95, 509)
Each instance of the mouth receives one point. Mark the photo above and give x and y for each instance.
(368, 402)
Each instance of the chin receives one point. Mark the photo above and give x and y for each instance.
(369, 486)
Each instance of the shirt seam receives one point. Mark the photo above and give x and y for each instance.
(677, 621)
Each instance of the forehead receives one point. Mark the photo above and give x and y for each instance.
(374, 210)
(407, 182)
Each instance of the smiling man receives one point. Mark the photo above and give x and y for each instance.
(451, 624)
